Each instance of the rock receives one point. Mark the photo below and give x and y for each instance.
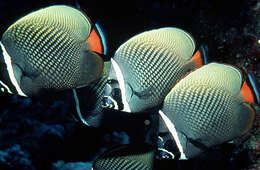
(15, 158)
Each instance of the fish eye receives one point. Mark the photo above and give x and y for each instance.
(112, 81)
(116, 93)
(112, 88)
(2, 89)
(109, 81)
(113, 84)
(107, 103)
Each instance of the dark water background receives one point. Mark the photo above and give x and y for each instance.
(40, 133)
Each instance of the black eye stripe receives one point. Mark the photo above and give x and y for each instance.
(112, 81)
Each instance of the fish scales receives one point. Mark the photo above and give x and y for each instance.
(153, 59)
(125, 159)
(206, 108)
(42, 42)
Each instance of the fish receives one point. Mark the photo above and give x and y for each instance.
(210, 106)
(88, 100)
(126, 157)
(88, 111)
(51, 49)
(146, 67)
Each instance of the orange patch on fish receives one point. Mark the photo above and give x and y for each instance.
(94, 42)
(197, 59)
(246, 93)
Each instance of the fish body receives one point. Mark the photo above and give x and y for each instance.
(147, 66)
(126, 157)
(51, 48)
(206, 108)
(88, 100)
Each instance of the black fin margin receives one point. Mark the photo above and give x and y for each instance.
(98, 27)
(204, 52)
(77, 5)
(251, 81)
(254, 85)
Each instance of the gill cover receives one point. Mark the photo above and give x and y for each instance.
(144, 68)
(206, 109)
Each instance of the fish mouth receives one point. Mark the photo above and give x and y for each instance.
(112, 97)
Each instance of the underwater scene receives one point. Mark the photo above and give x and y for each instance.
(141, 85)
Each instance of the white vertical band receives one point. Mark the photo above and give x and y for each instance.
(121, 82)
(10, 70)
(164, 150)
(5, 86)
(173, 132)
(78, 107)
